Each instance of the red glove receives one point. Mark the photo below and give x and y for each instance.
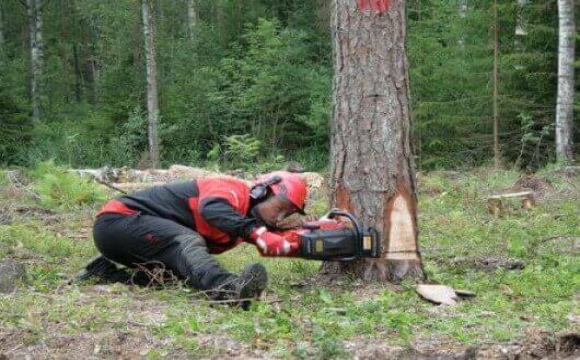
(276, 244)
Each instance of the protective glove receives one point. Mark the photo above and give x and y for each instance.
(275, 244)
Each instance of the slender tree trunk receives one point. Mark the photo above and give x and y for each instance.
(191, 19)
(372, 164)
(72, 31)
(152, 98)
(496, 152)
(221, 23)
(463, 15)
(78, 74)
(565, 103)
(1, 27)
(521, 29)
(34, 8)
(93, 62)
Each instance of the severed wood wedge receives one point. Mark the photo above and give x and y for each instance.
(441, 294)
(464, 293)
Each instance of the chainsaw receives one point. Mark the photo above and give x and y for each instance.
(333, 240)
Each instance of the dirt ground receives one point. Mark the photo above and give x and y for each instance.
(134, 339)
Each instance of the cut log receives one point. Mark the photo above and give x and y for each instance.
(137, 185)
(496, 205)
(512, 195)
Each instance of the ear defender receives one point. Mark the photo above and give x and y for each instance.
(260, 190)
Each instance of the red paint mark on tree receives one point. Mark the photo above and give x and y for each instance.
(379, 6)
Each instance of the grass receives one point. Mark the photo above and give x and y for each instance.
(309, 321)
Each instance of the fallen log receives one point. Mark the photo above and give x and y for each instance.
(495, 203)
(134, 186)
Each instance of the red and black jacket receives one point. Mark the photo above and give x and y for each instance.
(216, 208)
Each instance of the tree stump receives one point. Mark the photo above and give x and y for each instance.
(11, 272)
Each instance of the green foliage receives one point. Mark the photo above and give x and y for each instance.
(264, 68)
(15, 131)
(533, 141)
(243, 148)
(60, 189)
(272, 89)
(15, 124)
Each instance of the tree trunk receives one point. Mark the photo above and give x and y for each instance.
(1, 27)
(462, 15)
(372, 164)
(565, 102)
(191, 18)
(93, 65)
(521, 29)
(34, 8)
(78, 74)
(496, 152)
(152, 98)
(72, 29)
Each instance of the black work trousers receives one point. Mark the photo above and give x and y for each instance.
(142, 239)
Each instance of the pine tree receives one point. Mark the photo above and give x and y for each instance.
(372, 162)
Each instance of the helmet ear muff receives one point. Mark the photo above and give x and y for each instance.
(260, 190)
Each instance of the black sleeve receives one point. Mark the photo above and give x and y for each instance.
(219, 213)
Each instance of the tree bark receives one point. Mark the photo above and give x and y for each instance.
(565, 102)
(462, 15)
(34, 8)
(152, 97)
(191, 18)
(521, 29)
(1, 27)
(372, 164)
(79, 82)
(496, 151)
(93, 71)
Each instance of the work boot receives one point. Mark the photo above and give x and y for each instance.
(104, 270)
(247, 286)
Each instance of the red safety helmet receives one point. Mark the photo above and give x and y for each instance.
(283, 183)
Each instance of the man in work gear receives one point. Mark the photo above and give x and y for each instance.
(181, 225)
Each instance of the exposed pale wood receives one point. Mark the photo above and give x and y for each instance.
(512, 195)
(438, 294)
(402, 236)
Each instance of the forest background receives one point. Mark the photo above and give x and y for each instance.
(248, 83)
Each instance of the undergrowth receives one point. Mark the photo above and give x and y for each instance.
(57, 188)
(298, 318)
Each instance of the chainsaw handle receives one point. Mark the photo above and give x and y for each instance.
(343, 213)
